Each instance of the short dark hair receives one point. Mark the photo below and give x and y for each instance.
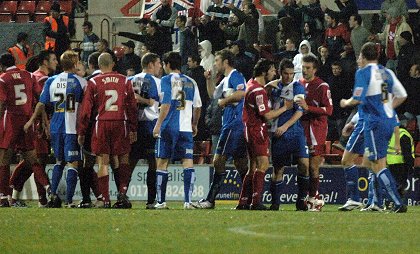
(21, 37)
(44, 55)
(93, 60)
(263, 65)
(88, 24)
(357, 18)
(286, 64)
(182, 18)
(195, 58)
(337, 63)
(105, 42)
(154, 24)
(226, 55)
(369, 51)
(311, 59)
(148, 58)
(7, 60)
(173, 59)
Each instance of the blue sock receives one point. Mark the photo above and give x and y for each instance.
(387, 182)
(276, 189)
(161, 182)
(56, 177)
(352, 183)
(189, 179)
(303, 186)
(71, 182)
(371, 188)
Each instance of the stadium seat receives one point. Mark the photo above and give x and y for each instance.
(25, 11)
(332, 155)
(66, 6)
(119, 52)
(202, 152)
(8, 10)
(42, 10)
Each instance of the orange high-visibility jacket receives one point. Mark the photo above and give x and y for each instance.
(20, 58)
(50, 42)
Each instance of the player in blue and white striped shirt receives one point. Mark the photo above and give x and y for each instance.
(177, 124)
(378, 92)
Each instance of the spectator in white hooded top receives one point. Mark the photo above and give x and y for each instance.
(304, 49)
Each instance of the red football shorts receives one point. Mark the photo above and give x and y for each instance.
(110, 137)
(257, 141)
(12, 134)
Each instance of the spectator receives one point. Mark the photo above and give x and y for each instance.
(359, 34)
(325, 62)
(396, 25)
(289, 10)
(90, 40)
(130, 63)
(231, 28)
(196, 72)
(56, 30)
(340, 87)
(21, 51)
(347, 9)
(400, 8)
(218, 11)
(187, 40)
(207, 58)
(304, 50)
(142, 23)
(312, 14)
(412, 86)
(103, 47)
(248, 18)
(405, 56)
(311, 34)
(289, 53)
(165, 17)
(286, 31)
(243, 63)
(336, 35)
(414, 22)
(207, 29)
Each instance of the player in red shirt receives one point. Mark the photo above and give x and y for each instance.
(111, 95)
(255, 114)
(317, 106)
(17, 94)
(47, 62)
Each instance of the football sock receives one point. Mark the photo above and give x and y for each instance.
(218, 179)
(125, 175)
(151, 186)
(71, 182)
(246, 192)
(19, 176)
(56, 177)
(161, 182)
(103, 184)
(352, 183)
(303, 186)
(4, 180)
(371, 188)
(84, 184)
(257, 187)
(40, 175)
(377, 197)
(276, 189)
(94, 182)
(387, 182)
(15, 195)
(42, 193)
(189, 180)
(313, 186)
(116, 177)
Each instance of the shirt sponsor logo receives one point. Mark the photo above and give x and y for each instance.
(358, 91)
(189, 151)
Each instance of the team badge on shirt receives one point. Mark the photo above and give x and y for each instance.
(260, 102)
(358, 91)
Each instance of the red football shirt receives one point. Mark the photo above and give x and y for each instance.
(17, 91)
(255, 105)
(315, 119)
(111, 95)
(41, 77)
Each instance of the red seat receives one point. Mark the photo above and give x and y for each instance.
(66, 6)
(202, 152)
(8, 10)
(42, 10)
(25, 11)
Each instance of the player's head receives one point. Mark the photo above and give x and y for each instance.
(47, 59)
(150, 62)
(7, 60)
(224, 58)
(93, 61)
(106, 62)
(287, 71)
(172, 61)
(69, 60)
(309, 67)
(265, 68)
(368, 53)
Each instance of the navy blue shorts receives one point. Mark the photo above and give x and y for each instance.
(286, 146)
(377, 136)
(232, 143)
(174, 145)
(144, 147)
(356, 142)
(65, 147)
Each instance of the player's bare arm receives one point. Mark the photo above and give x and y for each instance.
(164, 110)
(344, 103)
(39, 109)
(196, 117)
(235, 97)
(282, 129)
(141, 100)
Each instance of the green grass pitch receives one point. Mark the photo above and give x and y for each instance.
(221, 230)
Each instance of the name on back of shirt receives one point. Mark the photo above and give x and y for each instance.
(110, 80)
(16, 76)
